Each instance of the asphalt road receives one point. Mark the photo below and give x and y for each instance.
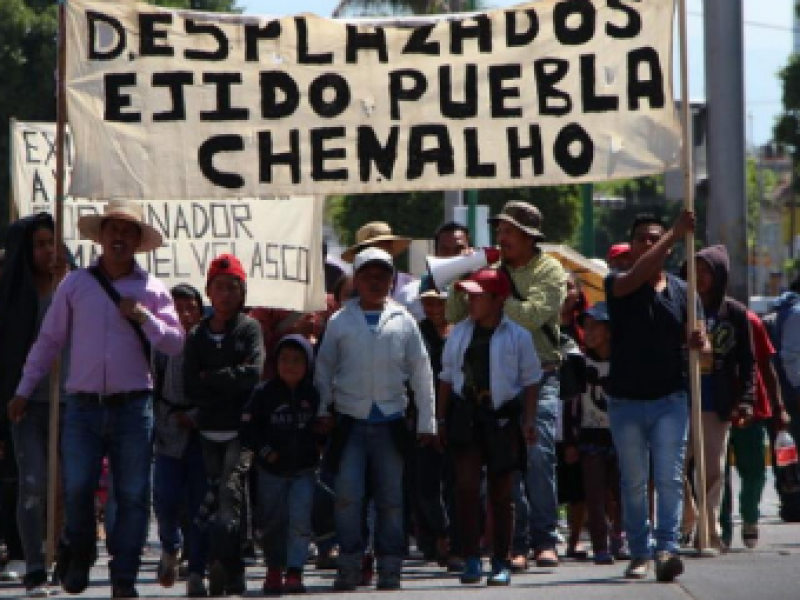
(770, 572)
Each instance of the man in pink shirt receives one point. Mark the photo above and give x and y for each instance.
(109, 386)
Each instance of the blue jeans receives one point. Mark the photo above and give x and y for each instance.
(535, 494)
(645, 430)
(370, 453)
(31, 441)
(286, 504)
(180, 483)
(125, 433)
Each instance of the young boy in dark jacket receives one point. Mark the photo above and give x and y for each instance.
(278, 428)
(222, 365)
(728, 381)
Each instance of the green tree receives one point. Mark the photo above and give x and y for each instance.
(28, 30)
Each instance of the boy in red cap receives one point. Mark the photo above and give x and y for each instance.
(223, 359)
(490, 375)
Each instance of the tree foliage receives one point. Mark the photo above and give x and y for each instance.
(28, 30)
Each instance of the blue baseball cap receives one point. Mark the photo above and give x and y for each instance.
(598, 311)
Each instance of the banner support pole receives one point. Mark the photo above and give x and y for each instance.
(694, 355)
(55, 374)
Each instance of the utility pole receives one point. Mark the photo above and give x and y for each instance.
(727, 202)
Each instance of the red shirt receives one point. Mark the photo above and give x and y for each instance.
(763, 351)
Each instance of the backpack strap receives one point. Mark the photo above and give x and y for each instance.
(113, 294)
(547, 329)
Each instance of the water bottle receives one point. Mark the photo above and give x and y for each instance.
(786, 462)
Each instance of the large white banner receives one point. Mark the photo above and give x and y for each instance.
(278, 240)
(179, 104)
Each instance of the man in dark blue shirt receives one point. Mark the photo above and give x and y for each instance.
(648, 404)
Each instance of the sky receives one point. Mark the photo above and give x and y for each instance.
(768, 43)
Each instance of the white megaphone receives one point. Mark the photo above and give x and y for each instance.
(445, 271)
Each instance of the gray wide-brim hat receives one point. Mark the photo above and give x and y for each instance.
(523, 215)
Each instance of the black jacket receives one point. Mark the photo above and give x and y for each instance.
(734, 366)
(231, 368)
(279, 419)
(19, 302)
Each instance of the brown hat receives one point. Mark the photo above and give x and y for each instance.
(523, 215)
(372, 233)
(89, 225)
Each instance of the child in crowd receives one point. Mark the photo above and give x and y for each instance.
(489, 364)
(588, 439)
(223, 360)
(371, 351)
(179, 479)
(277, 426)
(433, 468)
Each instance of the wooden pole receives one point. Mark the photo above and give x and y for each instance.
(694, 355)
(55, 375)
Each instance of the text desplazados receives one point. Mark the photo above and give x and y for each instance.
(176, 104)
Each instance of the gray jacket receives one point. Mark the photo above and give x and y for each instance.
(356, 367)
(170, 439)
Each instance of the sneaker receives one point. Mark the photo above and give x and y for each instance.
(293, 584)
(500, 575)
(123, 588)
(604, 557)
(547, 559)
(686, 540)
(519, 563)
(750, 535)
(195, 586)
(668, 566)
(638, 568)
(273, 584)
(13, 571)
(35, 584)
(216, 579)
(472, 572)
(167, 569)
(389, 582)
(367, 570)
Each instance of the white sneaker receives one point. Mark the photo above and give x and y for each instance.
(40, 591)
(14, 569)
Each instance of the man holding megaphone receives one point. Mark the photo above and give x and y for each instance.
(538, 290)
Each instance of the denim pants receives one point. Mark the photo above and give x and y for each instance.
(370, 453)
(285, 505)
(125, 433)
(535, 494)
(645, 430)
(179, 484)
(31, 440)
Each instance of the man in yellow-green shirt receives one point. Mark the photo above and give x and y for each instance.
(539, 290)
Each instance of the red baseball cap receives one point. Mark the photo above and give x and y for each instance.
(487, 280)
(618, 250)
(226, 264)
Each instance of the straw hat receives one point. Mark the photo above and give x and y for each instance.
(89, 225)
(372, 233)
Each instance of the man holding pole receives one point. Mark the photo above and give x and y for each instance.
(109, 315)
(648, 404)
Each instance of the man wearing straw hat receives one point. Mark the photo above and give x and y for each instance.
(110, 315)
(378, 234)
(538, 291)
